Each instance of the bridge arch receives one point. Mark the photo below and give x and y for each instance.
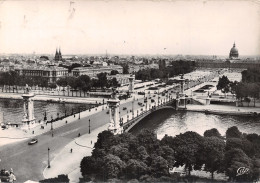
(129, 125)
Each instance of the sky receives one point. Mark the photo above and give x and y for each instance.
(197, 27)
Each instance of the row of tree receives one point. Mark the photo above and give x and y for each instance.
(176, 68)
(83, 82)
(245, 90)
(145, 158)
(12, 78)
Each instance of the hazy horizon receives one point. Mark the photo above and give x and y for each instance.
(130, 27)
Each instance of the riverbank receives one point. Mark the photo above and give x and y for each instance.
(224, 109)
(58, 99)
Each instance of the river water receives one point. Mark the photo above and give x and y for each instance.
(167, 121)
(171, 122)
(12, 110)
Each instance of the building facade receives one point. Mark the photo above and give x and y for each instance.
(93, 71)
(52, 73)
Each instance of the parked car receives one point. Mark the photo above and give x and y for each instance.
(33, 141)
(152, 100)
(140, 103)
(124, 108)
(107, 112)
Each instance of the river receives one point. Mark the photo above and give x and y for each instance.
(173, 122)
(12, 110)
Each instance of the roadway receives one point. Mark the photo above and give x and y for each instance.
(28, 162)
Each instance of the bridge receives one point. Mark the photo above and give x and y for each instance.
(171, 104)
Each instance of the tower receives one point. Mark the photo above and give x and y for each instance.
(131, 84)
(28, 117)
(58, 56)
(114, 124)
(233, 52)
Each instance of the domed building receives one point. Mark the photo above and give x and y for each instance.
(233, 52)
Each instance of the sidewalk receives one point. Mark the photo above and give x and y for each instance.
(69, 163)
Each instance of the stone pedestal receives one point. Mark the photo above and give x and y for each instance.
(28, 117)
(114, 125)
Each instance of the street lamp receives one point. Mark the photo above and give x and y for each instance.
(89, 126)
(49, 166)
(51, 123)
(79, 112)
(45, 117)
(133, 107)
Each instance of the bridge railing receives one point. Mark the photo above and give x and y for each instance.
(133, 121)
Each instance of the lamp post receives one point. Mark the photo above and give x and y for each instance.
(79, 112)
(49, 166)
(133, 107)
(89, 126)
(45, 117)
(51, 123)
(65, 113)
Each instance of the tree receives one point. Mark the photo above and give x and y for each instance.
(159, 166)
(121, 150)
(62, 82)
(102, 79)
(88, 166)
(61, 178)
(135, 169)
(143, 75)
(240, 143)
(114, 72)
(83, 82)
(113, 166)
(148, 139)
(223, 84)
(235, 159)
(212, 133)
(104, 140)
(213, 152)
(233, 132)
(125, 68)
(188, 147)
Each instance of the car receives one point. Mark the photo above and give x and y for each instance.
(152, 100)
(33, 141)
(150, 97)
(124, 108)
(140, 103)
(107, 112)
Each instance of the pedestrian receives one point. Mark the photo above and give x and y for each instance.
(32, 132)
(91, 141)
(71, 150)
(79, 135)
(66, 121)
(12, 178)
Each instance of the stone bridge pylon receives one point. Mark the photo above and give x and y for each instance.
(114, 123)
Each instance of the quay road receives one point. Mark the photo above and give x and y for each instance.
(28, 162)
